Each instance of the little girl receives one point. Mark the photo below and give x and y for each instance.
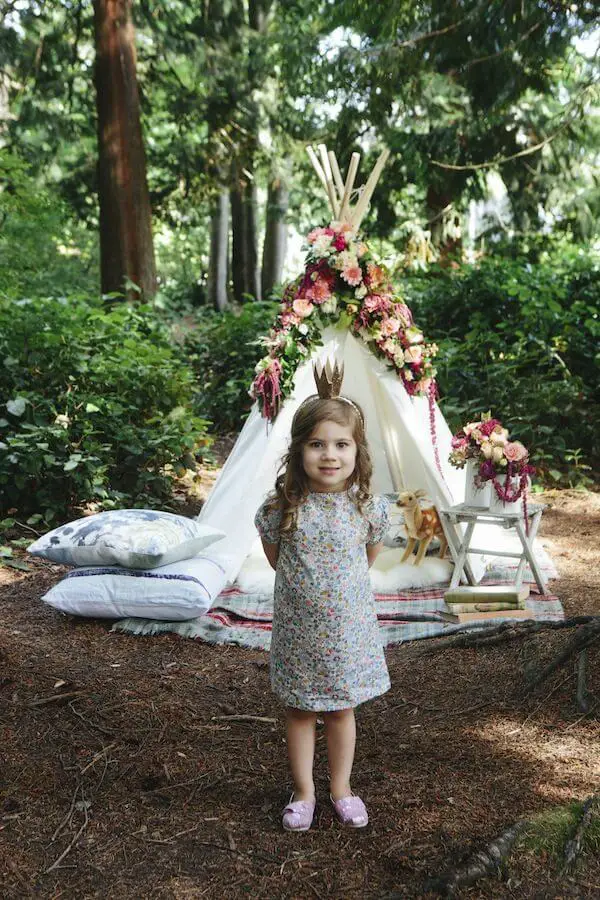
(321, 530)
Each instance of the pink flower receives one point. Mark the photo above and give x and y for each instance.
(289, 318)
(389, 326)
(403, 313)
(372, 302)
(340, 242)
(514, 451)
(459, 440)
(486, 428)
(302, 307)
(316, 233)
(352, 274)
(319, 291)
(423, 385)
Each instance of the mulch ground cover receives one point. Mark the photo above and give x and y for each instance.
(155, 767)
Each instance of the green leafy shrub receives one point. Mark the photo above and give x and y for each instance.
(223, 351)
(522, 340)
(98, 406)
(40, 243)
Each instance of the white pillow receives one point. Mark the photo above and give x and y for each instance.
(134, 538)
(183, 590)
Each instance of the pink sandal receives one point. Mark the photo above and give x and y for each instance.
(351, 811)
(298, 816)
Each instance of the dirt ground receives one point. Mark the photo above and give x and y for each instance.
(134, 783)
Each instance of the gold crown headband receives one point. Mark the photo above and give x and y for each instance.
(329, 382)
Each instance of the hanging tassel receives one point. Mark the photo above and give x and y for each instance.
(432, 395)
(267, 386)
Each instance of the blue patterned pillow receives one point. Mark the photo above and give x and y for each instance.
(134, 538)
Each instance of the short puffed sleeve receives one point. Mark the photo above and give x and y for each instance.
(267, 521)
(378, 517)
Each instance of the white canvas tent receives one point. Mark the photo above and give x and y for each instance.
(398, 425)
(398, 432)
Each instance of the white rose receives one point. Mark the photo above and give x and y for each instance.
(302, 328)
(322, 245)
(329, 306)
(360, 292)
(499, 437)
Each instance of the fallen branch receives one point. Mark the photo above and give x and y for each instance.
(68, 849)
(582, 697)
(245, 718)
(478, 865)
(67, 818)
(506, 632)
(581, 639)
(98, 756)
(573, 846)
(110, 732)
(55, 698)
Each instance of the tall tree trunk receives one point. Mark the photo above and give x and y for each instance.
(252, 278)
(219, 245)
(275, 235)
(244, 254)
(238, 243)
(126, 249)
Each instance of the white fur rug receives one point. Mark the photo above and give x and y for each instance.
(388, 574)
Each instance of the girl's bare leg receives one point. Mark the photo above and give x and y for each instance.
(341, 741)
(301, 726)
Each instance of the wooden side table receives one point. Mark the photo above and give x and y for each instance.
(460, 544)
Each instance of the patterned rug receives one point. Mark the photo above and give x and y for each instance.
(245, 619)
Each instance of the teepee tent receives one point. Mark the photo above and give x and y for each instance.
(407, 434)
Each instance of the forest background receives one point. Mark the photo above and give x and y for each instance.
(154, 189)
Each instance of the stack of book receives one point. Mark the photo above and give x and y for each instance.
(497, 601)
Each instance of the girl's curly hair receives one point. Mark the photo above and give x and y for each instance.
(291, 486)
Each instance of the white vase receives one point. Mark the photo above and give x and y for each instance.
(474, 496)
(498, 505)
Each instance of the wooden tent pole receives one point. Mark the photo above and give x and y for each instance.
(328, 175)
(345, 205)
(337, 177)
(361, 206)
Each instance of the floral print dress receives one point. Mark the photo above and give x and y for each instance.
(326, 650)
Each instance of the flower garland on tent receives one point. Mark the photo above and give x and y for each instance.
(342, 284)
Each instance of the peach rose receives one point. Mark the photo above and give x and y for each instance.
(413, 354)
(302, 307)
(514, 451)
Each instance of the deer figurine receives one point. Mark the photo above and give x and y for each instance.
(421, 525)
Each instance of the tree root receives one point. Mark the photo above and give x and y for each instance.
(478, 865)
(583, 703)
(573, 846)
(582, 638)
(508, 631)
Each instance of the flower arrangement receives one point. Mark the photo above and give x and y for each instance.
(342, 284)
(487, 443)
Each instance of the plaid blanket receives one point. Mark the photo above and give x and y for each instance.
(246, 619)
